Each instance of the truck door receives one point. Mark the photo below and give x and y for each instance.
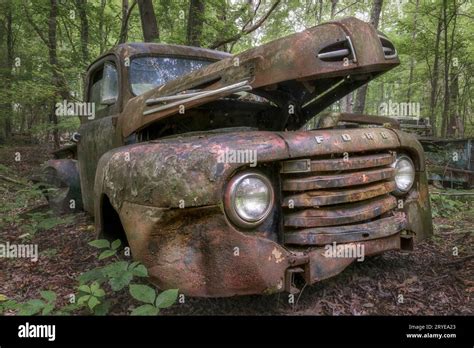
(98, 134)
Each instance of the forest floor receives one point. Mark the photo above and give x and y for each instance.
(427, 281)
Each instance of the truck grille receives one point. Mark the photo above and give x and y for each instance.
(346, 198)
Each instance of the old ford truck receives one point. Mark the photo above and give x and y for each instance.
(205, 164)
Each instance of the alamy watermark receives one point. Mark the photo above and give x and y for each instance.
(238, 156)
(83, 109)
(396, 109)
(26, 251)
(28, 330)
(349, 250)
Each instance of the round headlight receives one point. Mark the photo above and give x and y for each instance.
(404, 174)
(249, 199)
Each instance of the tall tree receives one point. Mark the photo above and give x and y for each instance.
(333, 8)
(81, 6)
(8, 105)
(195, 22)
(57, 78)
(126, 11)
(435, 75)
(412, 58)
(446, 103)
(102, 35)
(362, 91)
(148, 20)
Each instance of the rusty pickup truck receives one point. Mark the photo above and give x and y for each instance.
(224, 175)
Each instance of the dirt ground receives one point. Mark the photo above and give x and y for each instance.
(430, 280)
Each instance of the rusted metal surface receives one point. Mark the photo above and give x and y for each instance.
(123, 53)
(292, 58)
(350, 163)
(332, 119)
(340, 141)
(410, 145)
(344, 234)
(341, 214)
(69, 151)
(160, 172)
(62, 185)
(322, 267)
(417, 207)
(337, 180)
(450, 162)
(330, 197)
(195, 250)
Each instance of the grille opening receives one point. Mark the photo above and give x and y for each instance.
(338, 201)
(332, 190)
(361, 156)
(290, 229)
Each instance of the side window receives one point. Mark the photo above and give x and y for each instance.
(104, 86)
(109, 92)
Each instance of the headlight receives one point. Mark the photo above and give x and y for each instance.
(404, 174)
(249, 199)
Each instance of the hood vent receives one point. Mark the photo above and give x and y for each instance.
(338, 51)
(388, 48)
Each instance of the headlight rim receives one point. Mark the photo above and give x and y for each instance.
(398, 191)
(229, 198)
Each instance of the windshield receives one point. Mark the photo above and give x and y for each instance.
(149, 72)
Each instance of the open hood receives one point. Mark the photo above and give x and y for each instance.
(309, 70)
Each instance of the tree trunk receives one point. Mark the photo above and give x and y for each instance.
(57, 79)
(320, 12)
(195, 22)
(8, 107)
(453, 117)
(333, 8)
(81, 6)
(362, 91)
(412, 59)
(453, 120)
(434, 77)
(446, 70)
(148, 19)
(124, 26)
(102, 39)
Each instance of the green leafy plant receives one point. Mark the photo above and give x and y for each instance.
(6, 304)
(12, 212)
(110, 248)
(118, 274)
(443, 206)
(153, 301)
(43, 221)
(45, 305)
(92, 295)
